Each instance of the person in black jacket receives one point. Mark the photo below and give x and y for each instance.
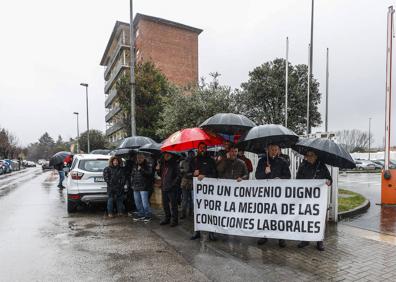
(274, 167)
(141, 180)
(114, 176)
(202, 165)
(312, 168)
(169, 171)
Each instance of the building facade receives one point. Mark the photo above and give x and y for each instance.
(171, 46)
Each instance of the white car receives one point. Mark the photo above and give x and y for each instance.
(366, 164)
(85, 183)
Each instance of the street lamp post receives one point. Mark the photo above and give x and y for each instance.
(369, 138)
(132, 56)
(78, 133)
(86, 96)
(286, 79)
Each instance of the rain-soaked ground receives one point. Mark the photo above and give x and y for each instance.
(39, 241)
(377, 218)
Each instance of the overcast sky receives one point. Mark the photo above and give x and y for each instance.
(48, 47)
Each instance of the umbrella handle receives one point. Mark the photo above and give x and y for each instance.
(267, 157)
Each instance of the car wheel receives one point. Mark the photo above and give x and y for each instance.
(71, 207)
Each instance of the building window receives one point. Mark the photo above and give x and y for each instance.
(137, 33)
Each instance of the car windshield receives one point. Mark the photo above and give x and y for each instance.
(93, 165)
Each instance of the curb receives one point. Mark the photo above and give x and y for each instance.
(358, 210)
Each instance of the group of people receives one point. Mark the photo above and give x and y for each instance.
(177, 179)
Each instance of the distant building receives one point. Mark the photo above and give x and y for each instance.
(171, 46)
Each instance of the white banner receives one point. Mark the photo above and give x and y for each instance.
(276, 208)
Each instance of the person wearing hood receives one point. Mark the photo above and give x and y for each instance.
(186, 185)
(201, 166)
(272, 167)
(312, 168)
(114, 176)
(169, 171)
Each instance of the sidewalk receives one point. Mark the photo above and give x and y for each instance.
(351, 254)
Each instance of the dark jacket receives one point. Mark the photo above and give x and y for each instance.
(170, 174)
(279, 168)
(317, 170)
(141, 179)
(59, 167)
(232, 169)
(205, 164)
(114, 176)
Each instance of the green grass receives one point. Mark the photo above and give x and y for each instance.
(346, 204)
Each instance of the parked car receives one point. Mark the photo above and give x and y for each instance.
(85, 184)
(45, 165)
(6, 166)
(29, 164)
(366, 164)
(381, 162)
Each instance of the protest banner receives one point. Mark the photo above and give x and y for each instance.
(276, 208)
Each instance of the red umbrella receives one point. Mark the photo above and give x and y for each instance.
(189, 138)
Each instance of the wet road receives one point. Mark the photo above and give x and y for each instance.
(377, 218)
(39, 241)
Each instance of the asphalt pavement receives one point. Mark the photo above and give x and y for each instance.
(39, 241)
(377, 218)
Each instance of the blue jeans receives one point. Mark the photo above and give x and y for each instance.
(142, 203)
(61, 177)
(119, 197)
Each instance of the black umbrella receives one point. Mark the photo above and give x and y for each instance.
(153, 148)
(228, 123)
(259, 137)
(59, 158)
(327, 151)
(100, 152)
(123, 151)
(135, 142)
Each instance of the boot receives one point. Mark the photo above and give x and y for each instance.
(320, 246)
(303, 244)
(174, 223)
(165, 221)
(212, 236)
(262, 241)
(282, 243)
(196, 235)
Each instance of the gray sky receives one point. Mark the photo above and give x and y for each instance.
(48, 47)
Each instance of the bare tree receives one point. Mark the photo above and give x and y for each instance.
(354, 140)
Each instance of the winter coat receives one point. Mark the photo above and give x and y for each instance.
(205, 164)
(279, 168)
(318, 170)
(114, 176)
(59, 167)
(232, 169)
(141, 178)
(170, 174)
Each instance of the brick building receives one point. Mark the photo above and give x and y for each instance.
(171, 46)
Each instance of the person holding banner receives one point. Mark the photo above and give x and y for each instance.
(202, 165)
(312, 168)
(169, 171)
(272, 166)
(232, 167)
